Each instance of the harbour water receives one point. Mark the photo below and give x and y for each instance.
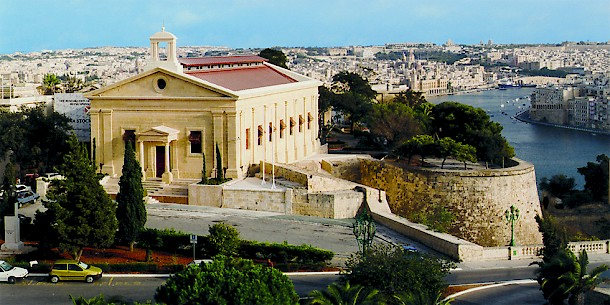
(552, 150)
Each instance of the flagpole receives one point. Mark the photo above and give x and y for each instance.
(273, 147)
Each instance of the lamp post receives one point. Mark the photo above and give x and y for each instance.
(512, 216)
(364, 230)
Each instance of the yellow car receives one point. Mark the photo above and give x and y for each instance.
(71, 270)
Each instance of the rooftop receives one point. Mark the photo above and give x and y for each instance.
(237, 79)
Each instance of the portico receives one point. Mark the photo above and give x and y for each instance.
(157, 156)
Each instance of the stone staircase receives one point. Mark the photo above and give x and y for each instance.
(156, 190)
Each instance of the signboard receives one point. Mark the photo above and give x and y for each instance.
(76, 107)
(193, 239)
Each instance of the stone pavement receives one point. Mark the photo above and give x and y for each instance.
(331, 234)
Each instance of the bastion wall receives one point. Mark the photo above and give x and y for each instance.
(477, 198)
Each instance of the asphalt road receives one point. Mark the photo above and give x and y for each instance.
(522, 294)
(37, 290)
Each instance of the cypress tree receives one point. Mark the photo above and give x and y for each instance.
(219, 176)
(83, 213)
(131, 210)
(204, 171)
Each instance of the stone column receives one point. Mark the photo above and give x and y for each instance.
(174, 160)
(106, 142)
(218, 135)
(141, 159)
(167, 176)
(233, 146)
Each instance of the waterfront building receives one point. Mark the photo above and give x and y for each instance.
(551, 105)
(179, 109)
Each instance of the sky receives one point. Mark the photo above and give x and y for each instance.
(35, 25)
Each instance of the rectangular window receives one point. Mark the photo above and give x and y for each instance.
(247, 138)
(260, 135)
(195, 142)
(282, 128)
(292, 123)
(270, 131)
(301, 121)
(309, 120)
(130, 136)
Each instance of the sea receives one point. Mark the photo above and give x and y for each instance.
(552, 150)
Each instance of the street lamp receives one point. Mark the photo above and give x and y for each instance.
(364, 230)
(512, 216)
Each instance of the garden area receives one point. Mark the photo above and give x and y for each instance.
(169, 251)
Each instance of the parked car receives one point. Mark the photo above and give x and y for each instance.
(71, 270)
(24, 194)
(199, 261)
(10, 274)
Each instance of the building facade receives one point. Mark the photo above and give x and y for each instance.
(181, 109)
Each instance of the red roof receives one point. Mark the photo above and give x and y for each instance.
(219, 60)
(243, 78)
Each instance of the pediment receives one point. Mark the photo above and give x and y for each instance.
(158, 133)
(159, 83)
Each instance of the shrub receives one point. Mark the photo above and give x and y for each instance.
(578, 198)
(228, 281)
(284, 253)
(391, 270)
(223, 239)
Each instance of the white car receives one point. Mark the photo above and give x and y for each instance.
(24, 194)
(199, 261)
(10, 274)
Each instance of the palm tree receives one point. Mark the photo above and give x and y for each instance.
(565, 276)
(580, 281)
(337, 294)
(411, 298)
(50, 84)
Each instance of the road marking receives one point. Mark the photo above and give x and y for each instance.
(491, 285)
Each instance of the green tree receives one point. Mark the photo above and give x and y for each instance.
(131, 209)
(37, 141)
(346, 294)
(392, 123)
(410, 98)
(149, 239)
(276, 57)
(471, 126)
(50, 84)
(223, 239)
(219, 169)
(558, 185)
(422, 145)
(596, 177)
(391, 270)
(580, 281)
(556, 260)
(204, 171)
(228, 281)
(83, 214)
(354, 96)
(73, 84)
(9, 195)
(416, 298)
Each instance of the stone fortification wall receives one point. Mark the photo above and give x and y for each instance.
(478, 198)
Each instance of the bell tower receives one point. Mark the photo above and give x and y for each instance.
(167, 60)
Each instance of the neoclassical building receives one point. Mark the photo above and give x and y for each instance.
(179, 109)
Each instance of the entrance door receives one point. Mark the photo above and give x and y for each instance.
(160, 161)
